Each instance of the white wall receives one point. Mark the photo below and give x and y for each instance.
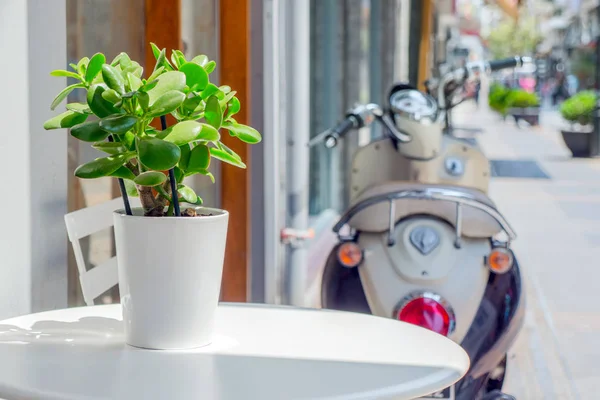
(33, 162)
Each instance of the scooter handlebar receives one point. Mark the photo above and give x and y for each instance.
(511, 62)
(348, 123)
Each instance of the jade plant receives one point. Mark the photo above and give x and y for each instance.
(117, 120)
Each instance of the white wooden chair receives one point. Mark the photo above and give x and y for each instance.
(82, 223)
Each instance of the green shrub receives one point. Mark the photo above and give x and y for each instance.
(519, 98)
(579, 108)
(497, 98)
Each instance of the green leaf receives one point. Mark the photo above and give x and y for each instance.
(113, 78)
(188, 195)
(179, 175)
(123, 172)
(210, 66)
(143, 100)
(119, 124)
(113, 148)
(64, 93)
(180, 56)
(175, 59)
(134, 82)
(233, 107)
(74, 66)
(161, 61)
(184, 160)
(155, 75)
(129, 95)
(212, 112)
(102, 166)
(111, 96)
(199, 159)
(89, 132)
(135, 69)
(94, 67)
(150, 178)
(172, 80)
(201, 60)
(122, 59)
(128, 140)
(130, 188)
(191, 104)
(209, 174)
(99, 106)
(225, 100)
(245, 133)
(189, 131)
(228, 150)
(80, 108)
(209, 91)
(166, 103)
(157, 154)
(225, 89)
(155, 50)
(68, 74)
(195, 76)
(226, 157)
(82, 66)
(65, 120)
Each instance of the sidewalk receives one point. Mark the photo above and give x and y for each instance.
(557, 221)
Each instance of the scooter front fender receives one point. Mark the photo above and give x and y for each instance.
(341, 287)
(485, 360)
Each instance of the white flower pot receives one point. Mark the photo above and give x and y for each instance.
(170, 271)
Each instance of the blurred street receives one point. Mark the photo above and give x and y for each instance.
(558, 243)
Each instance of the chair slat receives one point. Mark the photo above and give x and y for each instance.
(99, 279)
(84, 222)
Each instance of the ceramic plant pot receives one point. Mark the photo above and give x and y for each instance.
(170, 271)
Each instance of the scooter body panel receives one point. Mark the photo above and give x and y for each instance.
(390, 273)
(459, 164)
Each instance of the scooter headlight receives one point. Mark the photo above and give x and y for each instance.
(414, 105)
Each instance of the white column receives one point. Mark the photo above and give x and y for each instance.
(33, 162)
(274, 125)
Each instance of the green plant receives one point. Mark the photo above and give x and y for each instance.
(125, 104)
(579, 108)
(519, 98)
(513, 38)
(497, 98)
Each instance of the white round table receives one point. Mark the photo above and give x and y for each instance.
(259, 352)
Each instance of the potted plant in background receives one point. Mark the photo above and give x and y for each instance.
(497, 98)
(524, 105)
(579, 112)
(170, 260)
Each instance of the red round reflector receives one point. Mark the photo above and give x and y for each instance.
(427, 312)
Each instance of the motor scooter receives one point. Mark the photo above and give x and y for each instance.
(421, 241)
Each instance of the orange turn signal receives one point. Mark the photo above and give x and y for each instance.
(500, 260)
(349, 254)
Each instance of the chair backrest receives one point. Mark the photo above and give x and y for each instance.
(82, 223)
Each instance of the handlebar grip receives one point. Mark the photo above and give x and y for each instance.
(505, 63)
(340, 130)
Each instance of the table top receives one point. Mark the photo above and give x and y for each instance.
(259, 352)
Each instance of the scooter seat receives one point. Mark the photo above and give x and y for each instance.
(475, 222)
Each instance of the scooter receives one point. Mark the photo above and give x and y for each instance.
(421, 241)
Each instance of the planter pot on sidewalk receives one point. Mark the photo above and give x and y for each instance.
(529, 114)
(170, 271)
(578, 141)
